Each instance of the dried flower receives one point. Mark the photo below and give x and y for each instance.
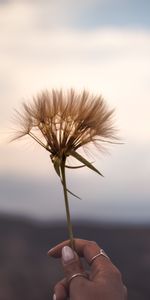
(63, 122)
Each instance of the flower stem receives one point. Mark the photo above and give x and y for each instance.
(67, 204)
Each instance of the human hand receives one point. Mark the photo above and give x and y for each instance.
(104, 279)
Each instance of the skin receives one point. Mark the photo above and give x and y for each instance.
(104, 280)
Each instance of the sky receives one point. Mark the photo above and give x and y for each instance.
(102, 46)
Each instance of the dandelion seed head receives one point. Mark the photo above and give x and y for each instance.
(65, 121)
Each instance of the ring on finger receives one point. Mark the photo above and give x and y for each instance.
(77, 275)
(101, 252)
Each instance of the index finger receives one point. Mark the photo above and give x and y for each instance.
(78, 244)
(85, 248)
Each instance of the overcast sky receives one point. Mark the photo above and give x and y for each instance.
(103, 46)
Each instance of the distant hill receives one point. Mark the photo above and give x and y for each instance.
(27, 273)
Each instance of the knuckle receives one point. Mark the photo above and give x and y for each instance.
(93, 242)
(89, 244)
(56, 287)
(72, 268)
(116, 273)
(59, 286)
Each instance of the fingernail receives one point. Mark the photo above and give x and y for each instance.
(67, 254)
(54, 297)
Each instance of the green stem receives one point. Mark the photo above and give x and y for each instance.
(67, 204)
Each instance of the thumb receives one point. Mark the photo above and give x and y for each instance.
(71, 263)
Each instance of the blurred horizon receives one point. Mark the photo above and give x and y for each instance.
(102, 46)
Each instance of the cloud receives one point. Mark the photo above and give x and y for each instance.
(85, 14)
(111, 61)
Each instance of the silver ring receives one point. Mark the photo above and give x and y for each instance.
(101, 252)
(76, 275)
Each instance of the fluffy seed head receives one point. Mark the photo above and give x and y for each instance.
(64, 121)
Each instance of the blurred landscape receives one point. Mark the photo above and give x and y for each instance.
(26, 272)
(102, 46)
